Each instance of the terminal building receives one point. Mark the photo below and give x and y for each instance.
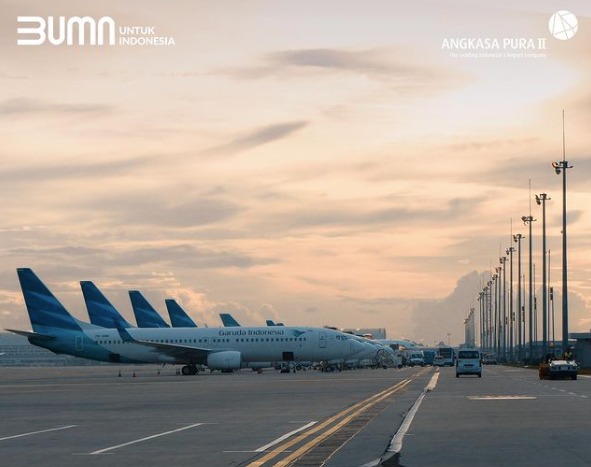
(16, 350)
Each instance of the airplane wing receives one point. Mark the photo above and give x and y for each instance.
(183, 353)
(36, 335)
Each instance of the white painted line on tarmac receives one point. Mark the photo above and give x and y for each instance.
(501, 398)
(284, 437)
(396, 443)
(101, 451)
(37, 432)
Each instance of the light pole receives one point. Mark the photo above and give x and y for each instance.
(489, 317)
(510, 251)
(541, 200)
(527, 220)
(499, 306)
(517, 239)
(481, 309)
(496, 315)
(503, 317)
(559, 167)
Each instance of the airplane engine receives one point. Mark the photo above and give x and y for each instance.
(226, 360)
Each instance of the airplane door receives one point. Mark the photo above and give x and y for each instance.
(322, 340)
(79, 344)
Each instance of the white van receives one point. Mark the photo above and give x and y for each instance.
(468, 362)
(417, 357)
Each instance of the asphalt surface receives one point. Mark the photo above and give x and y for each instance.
(508, 417)
(90, 416)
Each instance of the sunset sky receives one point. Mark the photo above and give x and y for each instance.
(313, 162)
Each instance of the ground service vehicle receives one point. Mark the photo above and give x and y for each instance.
(449, 354)
(417, 358)
(489, 359)
(558, 369)
(468, 363)
(438, 361)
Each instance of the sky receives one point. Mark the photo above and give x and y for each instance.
(317, 163)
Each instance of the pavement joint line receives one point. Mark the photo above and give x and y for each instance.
(111, 448)
(38, 432)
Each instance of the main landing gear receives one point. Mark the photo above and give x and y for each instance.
(189, 370)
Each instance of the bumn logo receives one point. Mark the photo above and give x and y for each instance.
(563, 25)
(73, 30)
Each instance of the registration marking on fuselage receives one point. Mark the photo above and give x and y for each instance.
(501, 398)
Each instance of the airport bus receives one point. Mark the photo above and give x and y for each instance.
(449, 355)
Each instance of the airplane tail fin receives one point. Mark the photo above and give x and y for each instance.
(100, 310)
(178, 317)
(45, 311)
(229, 321)
(145, 314)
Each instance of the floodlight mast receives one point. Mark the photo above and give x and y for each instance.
(517, 239)
(527, 220)
(541, 200)
(561, 167)
(510, 251)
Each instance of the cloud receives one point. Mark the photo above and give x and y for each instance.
(397, 68)
(158, 210)
(74, 170)
(25, 106)
(337, 213)
(433, 319)
(374, 61)
(258, 137)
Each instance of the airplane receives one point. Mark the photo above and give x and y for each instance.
(145, 314)
(100, 310)
(228, 321)
(55, 329)
(178, 317)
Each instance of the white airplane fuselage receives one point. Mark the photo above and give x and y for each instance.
(254, 344)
